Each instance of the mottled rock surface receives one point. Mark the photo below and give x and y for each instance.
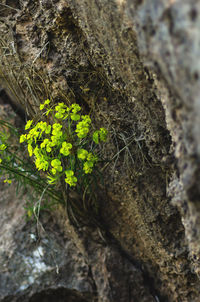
(135, 66)
(48, 261)
(169, 41)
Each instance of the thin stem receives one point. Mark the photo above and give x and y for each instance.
(31, 180)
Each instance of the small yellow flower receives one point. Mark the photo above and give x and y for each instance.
(30, 150)
(44, 143)
(75, 108)
(44, 104)
(28, 124)
(92, 157)
(56, 164)
(82, 154)
(42, 126)
(59, 115)
(103, 134)
(66, 147)
(3, 147)
(0, 160)
(41, 106)
(22, 138)
(70, 179)
(87, 167)
(36, 151)
(57, 126)
(75, 117)
(61, 109)
(41, 163)
(47, 102)
(48, 148)
(9, 181)
(53, 171)
(48, 129)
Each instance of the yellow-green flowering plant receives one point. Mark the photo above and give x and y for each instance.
(65, 146)
(15, 166)
(63, 150)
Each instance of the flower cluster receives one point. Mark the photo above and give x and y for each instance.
(65, 149)
(100, 135)
(2, 147)
(89, 159)
(58, 147)
(70, 178)
(83, 127)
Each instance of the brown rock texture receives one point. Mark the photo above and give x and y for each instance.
(134, 65)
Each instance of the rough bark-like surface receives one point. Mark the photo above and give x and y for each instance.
(59, 49)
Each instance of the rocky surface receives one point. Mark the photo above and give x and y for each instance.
(135, 66)
(169, 40)
(48, 261)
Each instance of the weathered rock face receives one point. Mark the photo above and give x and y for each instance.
(94, 53)
(44, 263)
(169, 39)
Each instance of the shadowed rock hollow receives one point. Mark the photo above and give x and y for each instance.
(135, 66)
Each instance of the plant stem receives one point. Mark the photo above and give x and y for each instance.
(31, 180)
